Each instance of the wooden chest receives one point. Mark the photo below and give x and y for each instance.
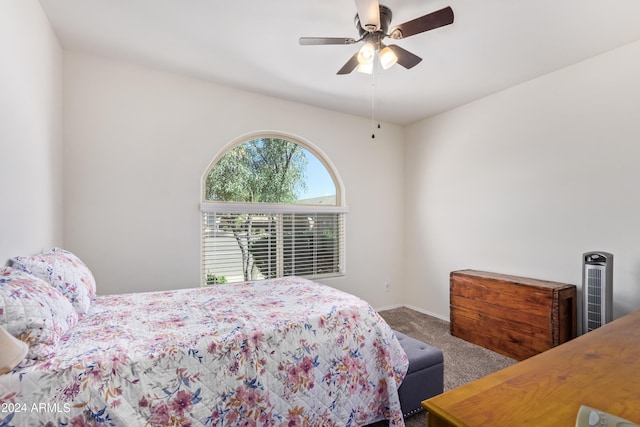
(514, 316)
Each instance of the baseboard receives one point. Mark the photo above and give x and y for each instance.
(427, 312)
(414, 308)
(389, 307)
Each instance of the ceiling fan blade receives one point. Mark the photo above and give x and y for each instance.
(430, 21)
(309, 41)
(369, 14)
(405, 58)
(349, 66)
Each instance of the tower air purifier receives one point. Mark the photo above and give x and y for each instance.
(597, 290)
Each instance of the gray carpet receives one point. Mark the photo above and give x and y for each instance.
(463, 361)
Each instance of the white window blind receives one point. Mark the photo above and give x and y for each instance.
(260, 241)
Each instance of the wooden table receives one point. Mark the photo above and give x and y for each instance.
(600, 369)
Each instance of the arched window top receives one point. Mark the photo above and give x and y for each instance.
(272, 206)
(272, 169)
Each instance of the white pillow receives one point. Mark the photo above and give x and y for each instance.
(64, 271)
(33, 311)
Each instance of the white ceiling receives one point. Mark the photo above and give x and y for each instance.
(253, 45)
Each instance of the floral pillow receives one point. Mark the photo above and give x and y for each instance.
(64, 271)
(33, 311)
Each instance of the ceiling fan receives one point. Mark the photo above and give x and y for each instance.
(372, 21)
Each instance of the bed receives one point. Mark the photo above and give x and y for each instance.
(272, 353)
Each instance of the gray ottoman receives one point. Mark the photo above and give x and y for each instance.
(425, 376)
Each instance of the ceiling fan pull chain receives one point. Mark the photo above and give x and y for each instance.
(377, 93)
(373, 103)
(375, 79)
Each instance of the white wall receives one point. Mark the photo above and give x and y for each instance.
(525, 181)
(30, 131)
(137, 142)
(508, 183)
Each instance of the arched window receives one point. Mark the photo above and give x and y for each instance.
(272, 206)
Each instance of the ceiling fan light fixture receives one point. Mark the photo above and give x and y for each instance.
(387, 58)
(365, 68)
(366, 54)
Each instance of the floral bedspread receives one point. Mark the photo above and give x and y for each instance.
(271, 353)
